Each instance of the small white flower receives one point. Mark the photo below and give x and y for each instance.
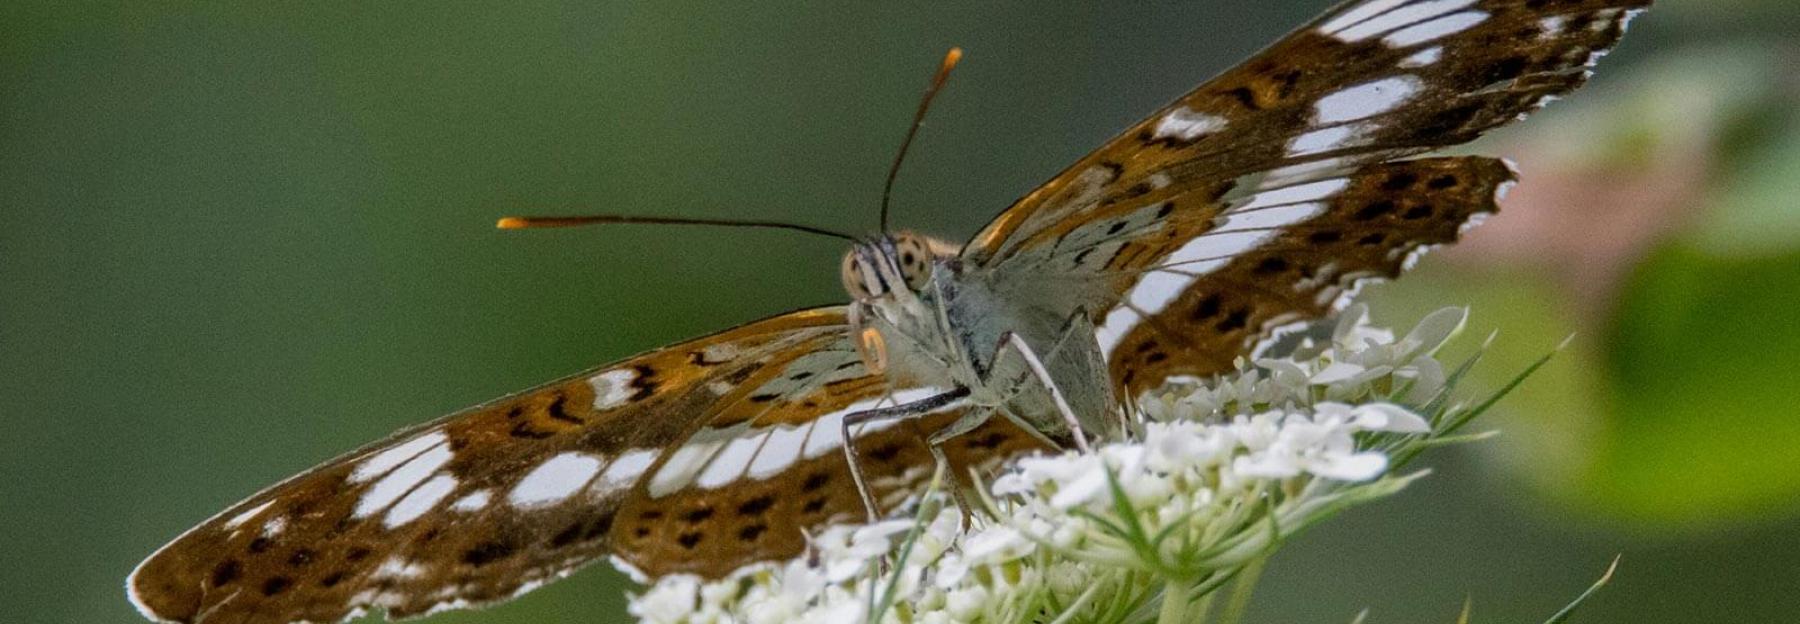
(672, 599)
(995, 545)
(1387, 417)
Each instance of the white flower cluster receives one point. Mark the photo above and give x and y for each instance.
(1216, 476)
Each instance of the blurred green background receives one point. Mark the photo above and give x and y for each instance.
(240, 238)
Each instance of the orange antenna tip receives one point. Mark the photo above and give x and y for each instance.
(512, 223)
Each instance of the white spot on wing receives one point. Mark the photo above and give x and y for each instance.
(1157, 289)
(472, 502)
(380, 463)
(397, 568)
(1357, 15)
(731, 462)
(1365, 100)
(1552, 26)
(554, 480)
(1118, 323)
(682, 465)
(720, 352)
(1382, 17)
(240, 519)
(1323, 140)
(402, 480)
(627, 468)
(1187, 124)
(781, 450)
(1311, 191)
(1423, 58)
(1434, 29)
(422, 499)
(612, 388)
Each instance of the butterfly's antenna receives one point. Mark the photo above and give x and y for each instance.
(937, 82)
(520, 223)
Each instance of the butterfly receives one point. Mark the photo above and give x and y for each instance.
(1259, 200)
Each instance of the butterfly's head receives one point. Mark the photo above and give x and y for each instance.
(891, 266)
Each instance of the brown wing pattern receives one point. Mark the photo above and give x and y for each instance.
(1216, 174)
(1370, 80)
(1194, 310)
(496, 500)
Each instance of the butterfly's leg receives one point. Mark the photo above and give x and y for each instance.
(935, 442)
(1036, 366)
(914, 409)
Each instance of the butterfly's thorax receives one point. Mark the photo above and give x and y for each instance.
(952, 332)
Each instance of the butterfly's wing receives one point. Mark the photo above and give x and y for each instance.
(1261, 196)
(698, 457)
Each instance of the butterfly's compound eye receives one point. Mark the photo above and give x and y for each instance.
(859, 278)
(913, 256)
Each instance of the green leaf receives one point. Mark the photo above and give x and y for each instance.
(1568, 611)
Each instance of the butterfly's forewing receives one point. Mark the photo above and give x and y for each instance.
(1216, 174)
(498, 499)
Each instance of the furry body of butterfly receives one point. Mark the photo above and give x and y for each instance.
(956, 329)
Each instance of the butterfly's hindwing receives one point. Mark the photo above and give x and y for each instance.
(1287, 254)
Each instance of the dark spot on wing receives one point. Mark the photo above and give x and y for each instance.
(557, 410)
(1245, 97)
(750, 533)
(1375, 210)
(756, 506)
(276, 585)
(601, 526)
(566, 536)
(487, 552)
(1506, 69)
(689, 540)
(226, 572)
(1400, 181)
(1208, 308)
(1234, 321)
(885, 452)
